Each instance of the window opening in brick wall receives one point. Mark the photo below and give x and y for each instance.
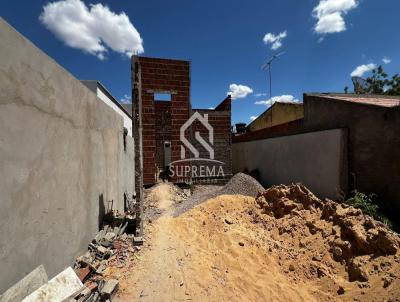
(162, 96)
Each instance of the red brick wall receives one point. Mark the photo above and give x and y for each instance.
(221, 123)
(278, 130)
(162, 75)
(163, 129)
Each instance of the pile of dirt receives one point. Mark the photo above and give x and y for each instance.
(242, 184)
(239, 184)
(284, 245)
(331, 240)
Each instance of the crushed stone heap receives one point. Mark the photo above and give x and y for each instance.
(242, 184)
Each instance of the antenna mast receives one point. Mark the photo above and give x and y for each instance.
(268, 65)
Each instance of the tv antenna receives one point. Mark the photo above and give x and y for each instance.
(268, 65)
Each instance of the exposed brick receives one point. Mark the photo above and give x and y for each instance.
(162, 120)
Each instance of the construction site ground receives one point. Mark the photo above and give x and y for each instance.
(238, 248)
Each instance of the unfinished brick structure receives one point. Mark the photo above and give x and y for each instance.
(161, 121)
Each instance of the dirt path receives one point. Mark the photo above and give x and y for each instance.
(179, 264)
(159, 272)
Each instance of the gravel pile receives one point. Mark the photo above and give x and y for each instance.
(239, 184)
(242, 184)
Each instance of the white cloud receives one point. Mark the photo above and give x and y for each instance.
(274, 40)
(257, 95)
(126, 99)
(386, 60)
(211, 108)
(252, 118)
(286, 98)
(239, 91)
(93, 29)
(360, 70)
(329, 14)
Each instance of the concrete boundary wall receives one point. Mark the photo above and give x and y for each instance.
(316, 159)
(62, 159)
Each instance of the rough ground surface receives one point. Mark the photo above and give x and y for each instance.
(240, 184)
(285, 245)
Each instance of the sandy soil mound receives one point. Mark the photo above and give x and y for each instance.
(285, 245)
(239, 184)
(332, 242)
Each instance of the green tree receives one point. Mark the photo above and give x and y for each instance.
(379, 83)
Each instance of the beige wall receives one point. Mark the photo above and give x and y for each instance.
(61, 155)
(279, 113)
(316, 159)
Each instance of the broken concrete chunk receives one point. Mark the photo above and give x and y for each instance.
(94, 297)
(82, 294)
(101, 269)
(122, 229)
(137, 240)
(99, 236)
(105, 228)
(59, 288)
(102, 252)
(116, 230)
(106, 243)
(25, 286)
(109, 289)
(109, 236)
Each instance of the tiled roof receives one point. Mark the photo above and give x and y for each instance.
(377, 100)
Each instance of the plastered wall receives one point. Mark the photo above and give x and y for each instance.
(316, 159)
(62, 159)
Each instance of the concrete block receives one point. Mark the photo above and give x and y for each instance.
(57, 289)
(109, 289)
(137, 240)
(25, 286)
(109, 236)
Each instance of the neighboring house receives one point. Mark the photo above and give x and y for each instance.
(367, 156)
(279, 113)
(373, 124)
(103, 94)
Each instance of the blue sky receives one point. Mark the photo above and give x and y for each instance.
(224, 40)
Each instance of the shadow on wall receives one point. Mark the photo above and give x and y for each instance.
(102, 211)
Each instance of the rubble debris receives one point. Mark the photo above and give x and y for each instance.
(138, 241)
(58, 288)
(111, 246)
(26, 285)
(102, 252)
(109, 289)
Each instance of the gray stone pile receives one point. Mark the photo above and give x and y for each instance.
(242, 184)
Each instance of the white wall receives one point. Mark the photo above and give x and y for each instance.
(127, 118)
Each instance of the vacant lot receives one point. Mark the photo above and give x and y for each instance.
(238, 248)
